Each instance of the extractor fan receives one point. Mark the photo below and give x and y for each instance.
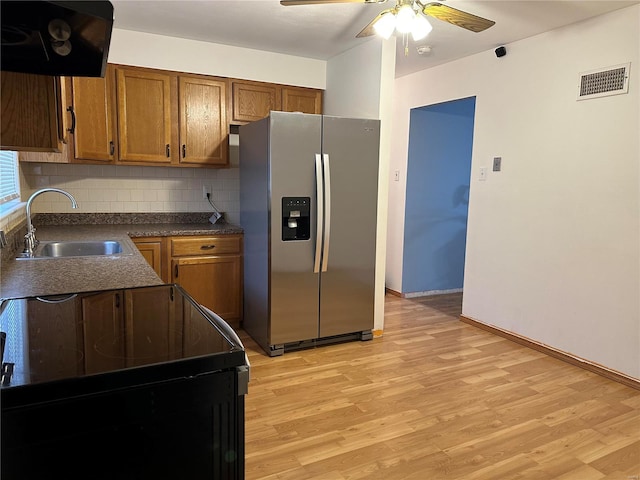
(404, 17)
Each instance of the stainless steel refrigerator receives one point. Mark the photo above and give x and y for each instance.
(308, 207)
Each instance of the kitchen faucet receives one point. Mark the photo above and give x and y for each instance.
(30, 241)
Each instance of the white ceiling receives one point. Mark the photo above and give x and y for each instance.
(323, 31)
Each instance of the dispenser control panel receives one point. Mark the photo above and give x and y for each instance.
(296, 221)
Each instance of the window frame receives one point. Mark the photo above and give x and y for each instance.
(9, 189)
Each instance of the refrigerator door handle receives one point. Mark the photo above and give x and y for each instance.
(327, 223)
(319, 213)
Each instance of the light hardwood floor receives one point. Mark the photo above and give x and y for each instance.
(435, 398)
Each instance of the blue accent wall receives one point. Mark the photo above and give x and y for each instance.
(437, 196)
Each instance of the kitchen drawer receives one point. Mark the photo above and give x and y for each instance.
(205, 245)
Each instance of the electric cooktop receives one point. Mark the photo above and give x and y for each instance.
(96, 334)
(143, 382)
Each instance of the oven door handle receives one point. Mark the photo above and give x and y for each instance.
(244, 372)
(57, 298)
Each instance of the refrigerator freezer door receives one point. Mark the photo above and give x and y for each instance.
(294, 142)
(347, 286)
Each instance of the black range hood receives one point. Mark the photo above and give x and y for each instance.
(56, 38)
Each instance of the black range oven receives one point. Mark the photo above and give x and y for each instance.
(122, 384)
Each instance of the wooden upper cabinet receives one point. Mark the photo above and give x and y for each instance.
(65, 123)
(144, 115)
(137, 116)
(253, 100)
(30, 112)
(94, 107)
(203, 120)
(297, 99)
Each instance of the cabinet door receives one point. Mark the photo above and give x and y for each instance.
(94, 109)
(65, 124)
(151, 250)
(253, 100)
(29, 114)
(203, 121)
(144, 116)
(305, 100)
(214, 282)
(102, 320)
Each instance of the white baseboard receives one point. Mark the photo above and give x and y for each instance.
(431, 292)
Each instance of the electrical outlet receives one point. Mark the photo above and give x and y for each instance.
(206, 190)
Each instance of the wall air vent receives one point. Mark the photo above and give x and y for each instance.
(604, 82)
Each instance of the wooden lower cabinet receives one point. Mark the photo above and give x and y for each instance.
(209, 268)
(151, 250)
(213, 282)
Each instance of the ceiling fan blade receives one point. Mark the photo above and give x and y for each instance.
(368, 30)
(457, 17)
(288, 3)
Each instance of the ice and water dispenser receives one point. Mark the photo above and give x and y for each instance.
(296, 221)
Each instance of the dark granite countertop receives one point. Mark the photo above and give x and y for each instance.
(22, 278)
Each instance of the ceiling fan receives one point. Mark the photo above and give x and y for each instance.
(404, 17)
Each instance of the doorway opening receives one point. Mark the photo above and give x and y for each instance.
(437, 197)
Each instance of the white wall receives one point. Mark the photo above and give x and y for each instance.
(112, 189)
(553, 245)
(171, 53)
(360, 84)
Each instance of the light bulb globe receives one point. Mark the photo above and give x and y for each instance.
(420, 28)
(405, 18)
(385, 25)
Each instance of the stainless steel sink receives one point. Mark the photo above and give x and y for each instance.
(79, 249)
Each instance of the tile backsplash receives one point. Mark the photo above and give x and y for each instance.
(132, 189)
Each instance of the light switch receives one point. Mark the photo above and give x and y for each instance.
(497, 164)
(396, 176)
(483, 174)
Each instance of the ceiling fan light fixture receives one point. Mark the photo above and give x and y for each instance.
(405, 18)
(385, 25)
(420, 27)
